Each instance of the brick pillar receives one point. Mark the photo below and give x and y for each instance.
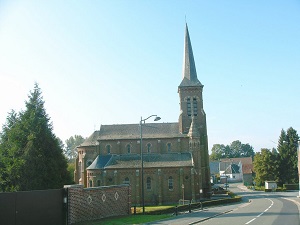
(116, 177)
(137, 187)
(180, 182)
(83, 172)
(179, 145)
(119, 148)
(159, 146)
(193, 185)
(160, 186)
(104, 177)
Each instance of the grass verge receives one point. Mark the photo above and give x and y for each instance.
(131, 219)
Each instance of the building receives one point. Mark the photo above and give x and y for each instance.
(175, 155)
(237, 169)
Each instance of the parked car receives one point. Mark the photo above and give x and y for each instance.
(226, 185)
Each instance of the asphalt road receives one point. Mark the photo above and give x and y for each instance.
(257, 208)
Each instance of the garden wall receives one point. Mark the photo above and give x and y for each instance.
(96, 203)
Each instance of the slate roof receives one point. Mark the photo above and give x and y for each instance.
(189, 68)
(150, 161)
(247, 164)
(132, 131)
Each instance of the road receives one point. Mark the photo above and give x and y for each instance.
(257, 208)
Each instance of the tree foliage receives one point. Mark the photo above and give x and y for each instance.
(235, 150)
(70, 150)
(288, 161)
(280, 165)
(266, 166)
(30, 154)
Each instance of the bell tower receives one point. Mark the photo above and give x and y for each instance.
(192, 118)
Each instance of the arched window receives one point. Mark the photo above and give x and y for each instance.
(148, 183)
(90, 183)
(169, 147)
(195, 107)
(170, 183)
(108, 147)
(148, 147)
(128, 147)
(189, 107)
(126, 180)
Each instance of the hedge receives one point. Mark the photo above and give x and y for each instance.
(196, 205)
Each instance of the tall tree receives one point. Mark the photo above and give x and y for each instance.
(217, 151)
(266, 166)
(70, 150)
(37, 161)
(235, 150)
(287, 148)
(10, 154)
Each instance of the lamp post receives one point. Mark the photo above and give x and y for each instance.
(142, 121)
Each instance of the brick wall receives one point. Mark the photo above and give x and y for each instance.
(96, 203)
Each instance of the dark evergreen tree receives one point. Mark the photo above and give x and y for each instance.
(37, 160)
(11, 161)
(287, 148)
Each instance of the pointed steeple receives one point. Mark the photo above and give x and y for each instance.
(193, 131)
(189, 68)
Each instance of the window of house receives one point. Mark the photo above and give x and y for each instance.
(170, 183)
(90, 183)
(148, 183)
(126, 180)
(169, 147)
(108, 147)
(195, 107)
(148, 147)
(98, 183)
(128, 148)
(189, 107)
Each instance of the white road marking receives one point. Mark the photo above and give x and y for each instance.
(272, 203)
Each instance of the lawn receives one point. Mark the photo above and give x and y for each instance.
(131, 219)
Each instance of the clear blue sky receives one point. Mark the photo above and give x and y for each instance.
(111, 62)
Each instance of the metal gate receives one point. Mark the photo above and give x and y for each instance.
(33, 207)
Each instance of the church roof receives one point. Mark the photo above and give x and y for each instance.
(132, 131)
(151, 160)
(189, 68)
(100, 162)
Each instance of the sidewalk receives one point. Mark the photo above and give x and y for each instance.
(197, 216)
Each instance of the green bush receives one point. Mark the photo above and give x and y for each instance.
(291, 186)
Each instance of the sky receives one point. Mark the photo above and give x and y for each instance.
(113, 62)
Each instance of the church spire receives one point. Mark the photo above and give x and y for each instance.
(189, 68)
(193, 131)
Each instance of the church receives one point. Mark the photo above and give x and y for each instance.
(162, 162)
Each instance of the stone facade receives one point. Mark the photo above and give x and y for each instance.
(175, 155)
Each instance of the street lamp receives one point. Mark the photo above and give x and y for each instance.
(142, 121)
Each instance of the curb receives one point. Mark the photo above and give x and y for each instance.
(207, 218)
